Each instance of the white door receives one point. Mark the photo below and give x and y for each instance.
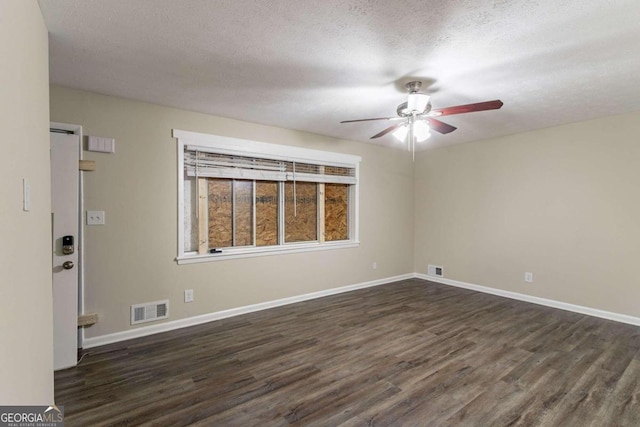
(64, 206)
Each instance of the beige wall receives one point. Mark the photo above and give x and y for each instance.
(26, 358)
(562, 203)
(131, 259)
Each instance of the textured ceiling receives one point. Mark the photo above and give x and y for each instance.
(308, 64)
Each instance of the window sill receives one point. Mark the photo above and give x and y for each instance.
(266, 251)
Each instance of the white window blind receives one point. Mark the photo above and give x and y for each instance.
(200, 162)
(206, 162)
(297, 171)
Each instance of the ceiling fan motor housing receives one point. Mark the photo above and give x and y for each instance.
(413, 87)
(403, 109)
(417, 102)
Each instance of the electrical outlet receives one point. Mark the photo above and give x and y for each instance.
(188, 295)
(375, 265)
(95, 217)
(528, 277)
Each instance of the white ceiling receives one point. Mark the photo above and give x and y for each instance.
(308, 64)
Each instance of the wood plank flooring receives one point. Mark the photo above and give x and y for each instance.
(411, 353)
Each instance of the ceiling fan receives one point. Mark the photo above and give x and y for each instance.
(416, 118)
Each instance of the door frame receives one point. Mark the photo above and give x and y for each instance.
(77, 130)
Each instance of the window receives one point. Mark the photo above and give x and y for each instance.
(241, 198)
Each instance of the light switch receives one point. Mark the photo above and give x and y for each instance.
(101, 144)
(26, 195)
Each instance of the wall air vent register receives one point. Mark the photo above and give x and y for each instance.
(149, 312)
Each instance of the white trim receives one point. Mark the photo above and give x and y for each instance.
(205, 318)
(325, 179)
(240, 174)
(250, 252)
(355, 220)
(180, 177)
(623, 318)
(281, 213)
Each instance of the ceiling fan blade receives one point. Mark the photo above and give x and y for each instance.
(439, 126)
(368, 120)
(469, 108)
(387, 130)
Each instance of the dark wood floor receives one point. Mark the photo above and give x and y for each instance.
(409, 353)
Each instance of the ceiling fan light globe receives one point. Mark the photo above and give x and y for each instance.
(401, 133)
(421, 130)
(417, 102)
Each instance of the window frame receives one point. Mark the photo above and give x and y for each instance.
(242, 147)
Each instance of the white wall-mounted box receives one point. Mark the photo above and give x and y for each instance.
(101, 144)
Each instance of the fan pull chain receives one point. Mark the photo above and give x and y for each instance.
(412, 140)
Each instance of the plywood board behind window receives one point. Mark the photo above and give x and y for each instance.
(336, 211)
(266, 213)
(243, 194)
(220, 213)
(301, 222)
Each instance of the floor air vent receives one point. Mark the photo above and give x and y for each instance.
(149, 312)
(435, 270)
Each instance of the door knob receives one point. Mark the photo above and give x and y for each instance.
(67, 265)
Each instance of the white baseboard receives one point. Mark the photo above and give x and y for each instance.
(623, 318)
(197, 320)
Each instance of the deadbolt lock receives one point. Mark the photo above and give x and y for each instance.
(67, 245)
(67, 265)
